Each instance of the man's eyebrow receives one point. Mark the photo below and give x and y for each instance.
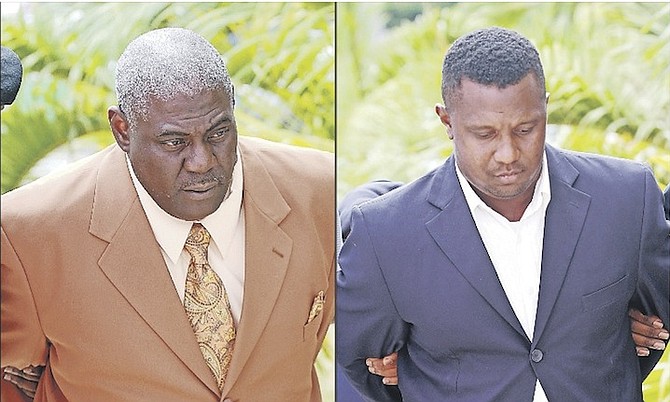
(478, 126)
(171, 133)
(482, 126)
(531, 120)
(220, 121)
(176, 133)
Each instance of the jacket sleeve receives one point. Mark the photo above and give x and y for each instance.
(11, 393)
(22, 340)
(367, 323)
(653, 284)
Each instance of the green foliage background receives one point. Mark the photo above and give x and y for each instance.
(607, 67)
(280, 57)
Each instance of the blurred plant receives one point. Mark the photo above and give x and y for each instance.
(607, 67)
(280, 56)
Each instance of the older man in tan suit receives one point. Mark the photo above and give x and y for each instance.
(182, 263)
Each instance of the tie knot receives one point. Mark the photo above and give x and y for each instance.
(197, 243)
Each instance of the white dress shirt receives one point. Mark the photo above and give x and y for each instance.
(515, 249)
(226, 247)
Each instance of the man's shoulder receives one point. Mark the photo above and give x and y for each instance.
(289, 162)
(600, 165)
(600, 174)
(407, 200)
(58, 190)
(263, 146)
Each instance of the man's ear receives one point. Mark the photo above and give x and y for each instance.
(120, 127)
(445, 118)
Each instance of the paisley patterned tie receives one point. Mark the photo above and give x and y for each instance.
(207, 306)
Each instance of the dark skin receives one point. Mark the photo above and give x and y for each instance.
(185, 150)
(499, 137)
(26, 380)
(183, 154)
(498, 143)
(647, 332)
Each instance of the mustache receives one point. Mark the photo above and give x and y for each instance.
(205, 179)
(510, 169)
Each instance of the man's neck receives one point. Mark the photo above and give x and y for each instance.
(512, 209)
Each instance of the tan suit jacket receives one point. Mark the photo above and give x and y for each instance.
(85, 290)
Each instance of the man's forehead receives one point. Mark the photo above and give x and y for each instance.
(469, 87)
(465, 80)
(184, 102)
(205, 109)
(159, 100)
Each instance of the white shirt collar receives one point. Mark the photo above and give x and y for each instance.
(541, 193)
(171, 232)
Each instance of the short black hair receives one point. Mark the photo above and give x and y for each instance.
(491, 56)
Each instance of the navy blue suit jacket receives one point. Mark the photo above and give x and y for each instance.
(343, 389)
(415, 278)
(359, 195)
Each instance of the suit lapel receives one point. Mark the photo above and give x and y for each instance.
(565, 218)
(136, 268)
(455, 232)
(267, 253)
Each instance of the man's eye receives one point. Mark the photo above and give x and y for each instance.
(484, 134)
(524, 130)
(219, 134)
(173, 143)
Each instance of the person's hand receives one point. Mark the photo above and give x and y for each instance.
(26, 380)
(385, 367)
(648, 332)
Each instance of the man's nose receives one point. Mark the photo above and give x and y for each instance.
(507, 150)
(201, 159)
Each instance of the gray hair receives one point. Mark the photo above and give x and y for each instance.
(164, 63)
(492, 57)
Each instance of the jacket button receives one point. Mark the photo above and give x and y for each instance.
(536, 355)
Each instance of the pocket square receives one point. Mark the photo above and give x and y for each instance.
(317, 306)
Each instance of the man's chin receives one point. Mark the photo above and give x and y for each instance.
(507, 192)
(196, 207)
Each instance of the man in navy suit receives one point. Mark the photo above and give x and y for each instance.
(506, 273)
